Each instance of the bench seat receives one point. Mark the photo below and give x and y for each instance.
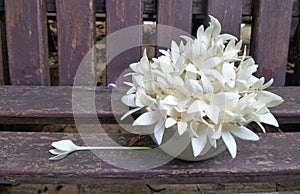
(46, 105)
(24, 158)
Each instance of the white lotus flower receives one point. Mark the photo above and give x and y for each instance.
(204, 88)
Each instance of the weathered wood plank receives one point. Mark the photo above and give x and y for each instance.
(175, 13)
(26, 26)
(297, 53)
(199, 7)
(229, 13)
(272, 187)
(76, 37)
(26, 104)
(174, 18)
(25, 160)
(270, 37)
(4, 73)
(123, 47)
(289, 111)
(53, 103)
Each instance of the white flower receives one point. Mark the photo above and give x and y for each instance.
(64, 147)
(204, 88)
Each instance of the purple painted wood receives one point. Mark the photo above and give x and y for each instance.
(297, 53)
(123, 47)
(31, 104)
(229, 13)
(50, 104)
(76, 37)
(4, 73)
(270, 37)
(177, 16)
(24, 159)
(199, 7)
(26, 25)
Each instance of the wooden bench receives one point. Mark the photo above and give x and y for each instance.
(27, 98)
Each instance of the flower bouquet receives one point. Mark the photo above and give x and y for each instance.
(202, 90)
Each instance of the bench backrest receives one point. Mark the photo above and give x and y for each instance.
(27, 39)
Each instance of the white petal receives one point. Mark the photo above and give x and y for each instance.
(269, 98)
(229, 142)
(142, 99)
(170, 100)
(60, 156)
(148, 118)
(206, 84)
(181, 106)
(217, 26)
(182, 126)
(227, 37)
(229, 73)
(56, 151)
(223, 98)
(196, 106)
(159, 131)
(170, 122)
(198, 143)
(212, 111)
(191, 68)
(129, 84)
(186, 38)
(174, 50)
(133, 67)
(200, 31)
(261, 126)
(196, 87)
(130, 112)
(268, 84)
(129, 100)
(164, 52)
(218, 133)
(268, 119)
(244, 133)
(131, 91)
(211, 62)
(64, 145)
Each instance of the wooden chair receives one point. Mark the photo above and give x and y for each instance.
(27, 98)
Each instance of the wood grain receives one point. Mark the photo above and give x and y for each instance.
(76, 37)
(175, 19)
(199, 7)
(270, 38)
(4, 73)
(123, 45)
(229, 13)
(40, 104)
(26, 27)
(25, 160)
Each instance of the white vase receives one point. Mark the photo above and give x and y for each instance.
(180, 146)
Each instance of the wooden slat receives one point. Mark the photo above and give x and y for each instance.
(177, 16)
(26, 26)
(4, 73)
(270, 37)
(199, 7)
(47, 104)
(119, 15)
(297, 53)
(229, 13)
(27, 104)
(24, 159)
(76, 36)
